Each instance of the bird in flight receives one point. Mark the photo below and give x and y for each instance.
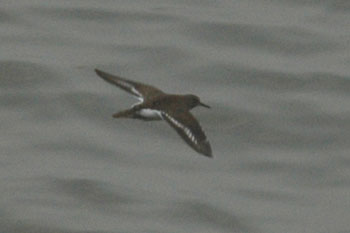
(154, 104)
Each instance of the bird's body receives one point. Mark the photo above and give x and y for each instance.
(154, 104)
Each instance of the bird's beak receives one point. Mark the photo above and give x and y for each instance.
(204, 105)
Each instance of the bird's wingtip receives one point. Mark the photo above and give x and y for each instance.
(209, 155)
(206, 150)
(97, 71)
(103, 75)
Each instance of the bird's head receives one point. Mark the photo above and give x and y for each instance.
(194, 101)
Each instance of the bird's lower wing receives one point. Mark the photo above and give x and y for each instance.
(139, 90)
(189, 129)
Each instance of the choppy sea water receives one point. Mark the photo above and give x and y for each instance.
(276, 74)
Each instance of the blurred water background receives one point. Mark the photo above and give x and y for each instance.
(276, 73)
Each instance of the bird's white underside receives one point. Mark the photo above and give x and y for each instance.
(150, 113)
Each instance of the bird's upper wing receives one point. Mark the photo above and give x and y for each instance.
(140, 90)
(189, 129)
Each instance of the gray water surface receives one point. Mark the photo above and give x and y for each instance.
(276, 73)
